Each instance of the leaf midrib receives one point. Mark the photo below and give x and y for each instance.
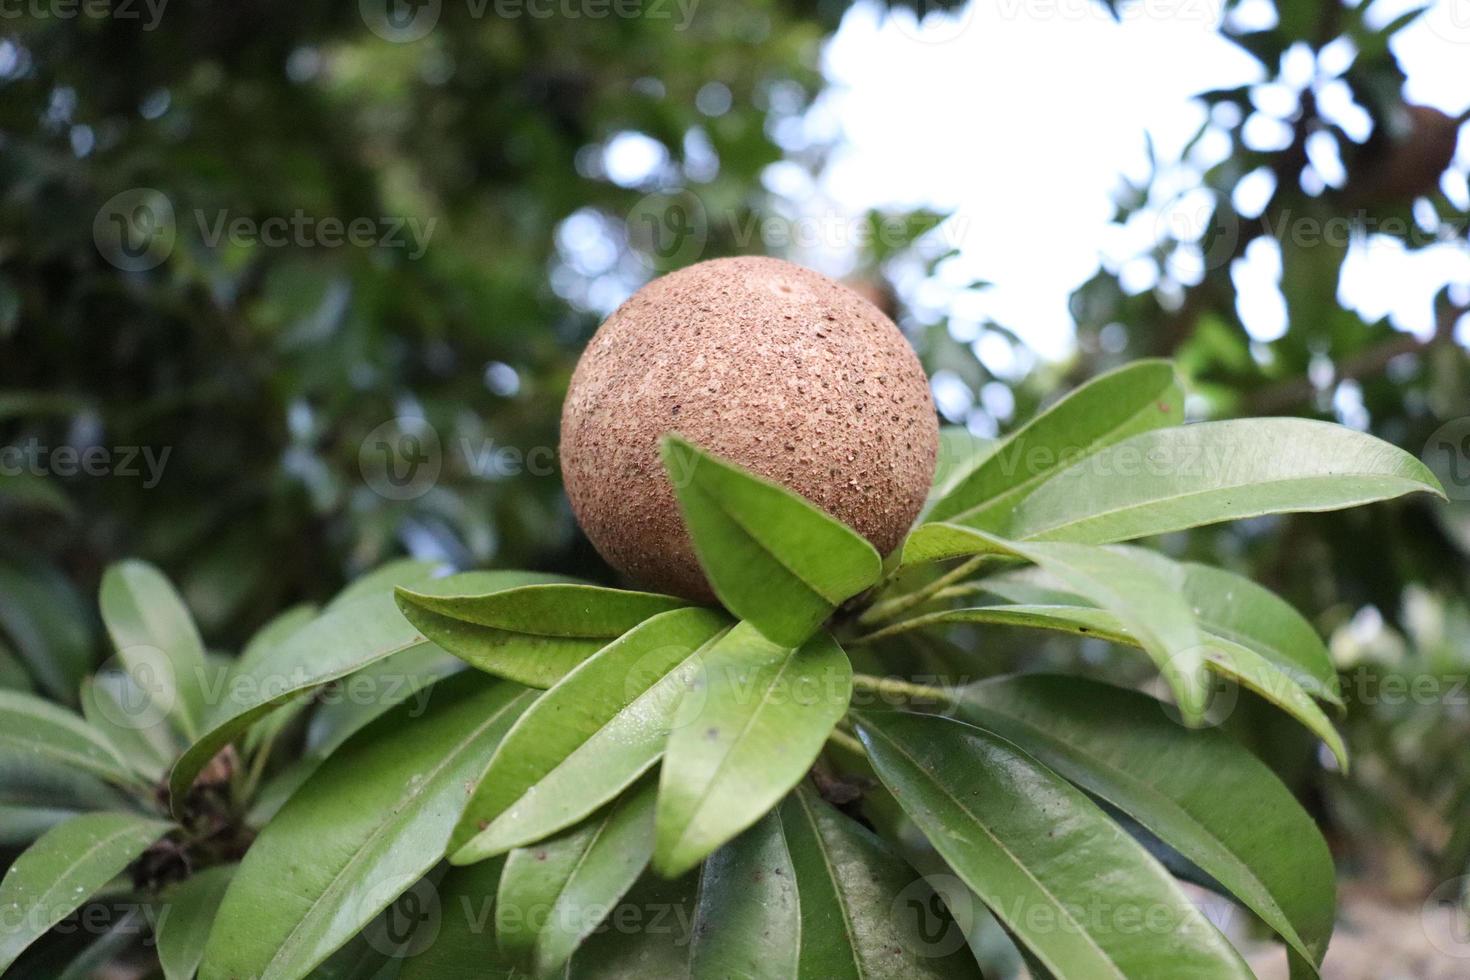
(745, 728)
(848, 928)
(1158, 798)
(398, 811)
(745, 529)
(1227, 488)
(1061, 907)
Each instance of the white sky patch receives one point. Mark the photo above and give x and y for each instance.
(1022, 121)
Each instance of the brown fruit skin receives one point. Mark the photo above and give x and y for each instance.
(767, 364)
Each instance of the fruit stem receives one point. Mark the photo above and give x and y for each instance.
(884, 612)
(897, 687)
(846, 741)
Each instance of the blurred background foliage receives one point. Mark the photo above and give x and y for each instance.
(481, 153)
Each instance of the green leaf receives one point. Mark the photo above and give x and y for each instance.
(649, 935)
(348, 638)
(371, 821)
(749, 908)
(32, 726)
(1144, 602)
(114, 705)
(1066, 881)
(1225, 605)
(188, 912)
(1200, 792)
(1182, 477)
(461, 944)
(554, 893)
(1221, 656)
(534, 634)
(48, 625)
(960, 451)
(1135, 398)
(156, 639)
(276, 632)
(588, 738)
(58, 873)
(774, 558)
(753, 721)
(862, 905)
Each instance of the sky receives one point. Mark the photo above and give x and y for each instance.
(1020, 118)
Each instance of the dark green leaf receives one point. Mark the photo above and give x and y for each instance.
(865, 914)
(748, 916)
(1200, 792)
(123, 713)
(371, 821)
(459, 944)
(752, 722)
(59, 872)
(533, 634)
(1068, 882)
(336, 644)
(188, 912)
(554, 893)
(589, 737)
(773, 558)
(48, 626)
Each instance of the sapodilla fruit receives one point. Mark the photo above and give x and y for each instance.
(769, 365)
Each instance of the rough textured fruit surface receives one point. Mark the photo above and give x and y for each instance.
(775, 367)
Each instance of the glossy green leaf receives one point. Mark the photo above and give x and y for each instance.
(865, 913)
(189, 909)
(33, 726)
(156, 639)
(459, 943)
(648, 935)
(1221, 656)
(589, 737)
(533, 634)
(1225, 605)
(58, 873)
(1200, 792)
(350, 637)
(123, 714)
(1185, 476)
(754, 719)
(275, 632)
(1135, 398)
(1143, 601)
(554, 893)
(960, 451)
(748, 910)
(48, 626)
(370, 822)
(1068, 882)
(774, 558)
(347, 706)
